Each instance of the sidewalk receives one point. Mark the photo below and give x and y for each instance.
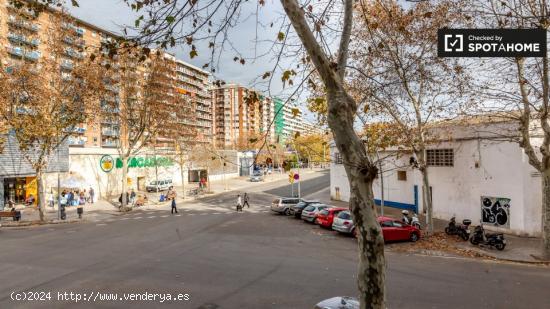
(518, 249)
(103, 209)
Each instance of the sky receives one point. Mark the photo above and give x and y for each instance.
(113, 14)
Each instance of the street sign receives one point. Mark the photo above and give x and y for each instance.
(296, 176)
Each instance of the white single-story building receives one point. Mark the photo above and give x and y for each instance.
(476, 171)
(101, 169)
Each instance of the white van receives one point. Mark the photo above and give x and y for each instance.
(157, 186)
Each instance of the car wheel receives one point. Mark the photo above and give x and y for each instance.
(414, 237)
(287, 212)
(500, 246)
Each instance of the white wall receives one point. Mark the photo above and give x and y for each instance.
(502, 171)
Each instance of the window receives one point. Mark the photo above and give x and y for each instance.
(344, 215)
(397, 224)
(440, 157)
(338, 158)
(402, 175)
(386, 224)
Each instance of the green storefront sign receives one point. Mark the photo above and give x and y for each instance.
(135, 162)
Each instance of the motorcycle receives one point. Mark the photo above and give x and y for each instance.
(462, 230)
(479, 237)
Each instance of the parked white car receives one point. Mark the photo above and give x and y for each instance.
(157, 186)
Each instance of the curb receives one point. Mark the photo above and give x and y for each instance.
(40, 223)
(483, 256)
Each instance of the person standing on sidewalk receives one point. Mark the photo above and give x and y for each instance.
(91, 193)
(174, 206)
(245, 198)
(239, 203)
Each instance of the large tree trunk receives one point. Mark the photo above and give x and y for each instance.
(40, 194)
(361, 173)
(546, 215)
(426, 192)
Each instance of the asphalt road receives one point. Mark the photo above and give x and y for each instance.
(224, 259)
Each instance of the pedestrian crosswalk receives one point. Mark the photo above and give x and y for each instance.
(160, 214)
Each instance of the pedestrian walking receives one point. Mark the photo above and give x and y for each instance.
(132, 197)
(246, 200)
(91, 193)
(239, 203)
(174, 207)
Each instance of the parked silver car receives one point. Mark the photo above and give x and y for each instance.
(310, 212)
(339, 302)
(343, 223)
(282, 205)
(256, 177)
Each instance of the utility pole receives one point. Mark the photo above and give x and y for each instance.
(381, 185)
(58, 186)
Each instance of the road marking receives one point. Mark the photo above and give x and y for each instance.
(164, 216)
(124, 218)
(138, 218)
(192, 214)
(178, 215)
(217, 213)
(203, 214)
(151, 217)
(100, 224)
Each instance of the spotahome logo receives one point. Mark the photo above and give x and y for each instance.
(491, 43)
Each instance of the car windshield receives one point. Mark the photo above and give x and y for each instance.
(321, 206)
(324, 212)
(344, 215)
(153, 183)
(309, 208)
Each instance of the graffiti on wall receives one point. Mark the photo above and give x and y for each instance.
(495, 211)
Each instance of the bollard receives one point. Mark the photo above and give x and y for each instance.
(80, 211)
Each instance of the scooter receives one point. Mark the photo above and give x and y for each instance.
(462, 230)
(411, 221)
(415, 222)
(479, 237)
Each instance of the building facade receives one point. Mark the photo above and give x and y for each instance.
(240, 114)
(475, 173)
(91, 155)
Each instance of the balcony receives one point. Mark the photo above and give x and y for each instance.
(23, 53)
(74, 42)
(109, 143)
(112, 88)
(19, 38)
(73, 53)
(78, 31)
(21, 23)
(77, 141)
(67, 64)
(110, 132)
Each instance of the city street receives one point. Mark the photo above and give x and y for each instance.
(224, 259)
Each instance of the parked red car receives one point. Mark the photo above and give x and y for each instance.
(395, 230)
(326, 216)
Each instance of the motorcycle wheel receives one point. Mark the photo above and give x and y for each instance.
(474, 241)
(500, 246)
(464, 235)
(447, 231)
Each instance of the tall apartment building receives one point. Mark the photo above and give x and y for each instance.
(239, 114)
(287, 124)
(22, 37)
(193, 85)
